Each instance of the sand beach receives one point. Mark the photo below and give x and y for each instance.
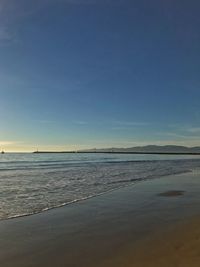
(152, 223)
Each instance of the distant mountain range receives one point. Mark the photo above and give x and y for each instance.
(150, 149)
(168, 149)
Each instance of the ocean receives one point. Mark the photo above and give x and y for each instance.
(32, 183)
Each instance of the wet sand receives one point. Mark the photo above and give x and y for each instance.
(153, 223)
(172, 193)
(178, 246)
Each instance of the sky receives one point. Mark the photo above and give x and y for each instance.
(78, 74)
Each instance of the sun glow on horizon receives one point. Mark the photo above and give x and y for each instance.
(28, 148)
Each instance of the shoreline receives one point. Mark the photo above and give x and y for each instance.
(103, 230)
(131, 184)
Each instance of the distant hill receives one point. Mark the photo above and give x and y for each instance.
(150, 149)
(169, 149)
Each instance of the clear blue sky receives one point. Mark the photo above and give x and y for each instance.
(99, 73)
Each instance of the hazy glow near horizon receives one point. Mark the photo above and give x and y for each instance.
(98, 74)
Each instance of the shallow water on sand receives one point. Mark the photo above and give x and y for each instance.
(31, 183)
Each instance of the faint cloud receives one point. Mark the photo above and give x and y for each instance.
(89, 2)
(7, 143)
(46, 121)
(191, 131)
(120, 128)
(126, 125)
(175, 135)
(14, 12)
(131, 123)
(182, 130)
(81, 122)
(5, 35)
(194, 130)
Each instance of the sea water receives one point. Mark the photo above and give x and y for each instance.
(32, 183)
